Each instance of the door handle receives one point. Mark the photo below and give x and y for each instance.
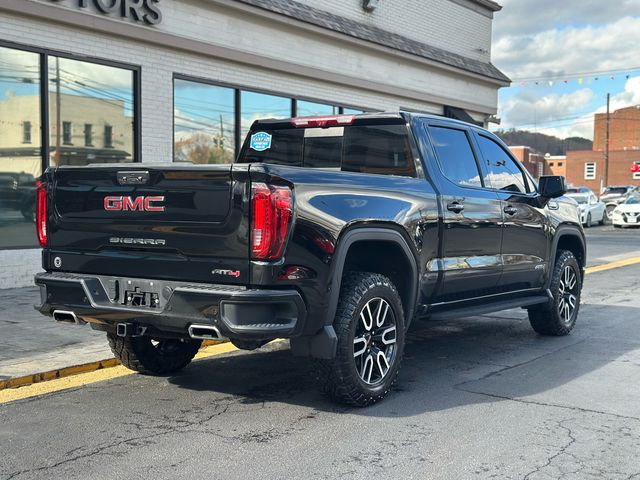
(509, 210)
(455, 207)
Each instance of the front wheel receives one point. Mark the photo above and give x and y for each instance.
(559, 316)
(370, 327)
(589, 222)
(153, 357)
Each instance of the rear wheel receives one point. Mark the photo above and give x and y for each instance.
(559, 316)
(370, 327)
(153, 357)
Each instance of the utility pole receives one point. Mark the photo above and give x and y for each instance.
(606, 144)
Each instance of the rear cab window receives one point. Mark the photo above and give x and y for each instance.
(382, 149)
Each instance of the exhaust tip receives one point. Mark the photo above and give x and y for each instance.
(205, 332)
(63, 316)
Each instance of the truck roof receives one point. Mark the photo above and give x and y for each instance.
(370, 117)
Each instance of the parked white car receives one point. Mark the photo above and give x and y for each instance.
(592, 210)
(627, 213)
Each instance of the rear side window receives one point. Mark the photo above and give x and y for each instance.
(377, 149)
(456, 158)
(502, 171)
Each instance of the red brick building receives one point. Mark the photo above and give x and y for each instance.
(624, 129)
(586, 167)
(532, 160)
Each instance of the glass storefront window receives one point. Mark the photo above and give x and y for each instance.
(351, 111)
(204, 123)
(83, 94)
(310, 109)
(20, 146)
(257, 106)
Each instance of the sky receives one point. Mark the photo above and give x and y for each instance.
(563, 58)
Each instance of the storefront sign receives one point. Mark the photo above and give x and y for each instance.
(143, 11)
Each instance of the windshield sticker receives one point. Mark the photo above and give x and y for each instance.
(261, 141)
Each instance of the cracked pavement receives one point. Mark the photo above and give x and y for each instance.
(481, 397)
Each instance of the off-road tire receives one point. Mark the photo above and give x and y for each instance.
(339, 378)
(142, 355)
(547, 319)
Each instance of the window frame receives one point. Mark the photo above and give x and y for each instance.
(593, 175)
(45, 130)
(239, 88)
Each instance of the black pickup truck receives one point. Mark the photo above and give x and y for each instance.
(334, 232)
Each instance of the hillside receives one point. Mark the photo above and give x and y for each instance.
(543, 143)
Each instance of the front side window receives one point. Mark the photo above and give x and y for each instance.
(204, 123)
(82, 93)
(455, 156)
(20, 149)
(502, 171)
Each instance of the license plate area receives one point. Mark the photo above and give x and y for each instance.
(138, 298)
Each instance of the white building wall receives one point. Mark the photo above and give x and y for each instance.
(440, 23)
(250, 33)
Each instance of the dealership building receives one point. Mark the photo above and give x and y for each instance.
(160, 81)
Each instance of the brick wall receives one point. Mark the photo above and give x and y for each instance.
(619, 168)
(624, 130)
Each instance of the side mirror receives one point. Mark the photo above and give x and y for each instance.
(552, 186)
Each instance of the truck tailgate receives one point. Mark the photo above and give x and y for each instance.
(175, 222)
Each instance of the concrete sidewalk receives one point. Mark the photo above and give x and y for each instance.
(31, 343)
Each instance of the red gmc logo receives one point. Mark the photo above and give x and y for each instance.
(132, 204)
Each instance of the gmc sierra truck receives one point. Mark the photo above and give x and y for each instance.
(333, 232)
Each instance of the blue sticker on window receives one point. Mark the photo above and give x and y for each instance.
(261, 141)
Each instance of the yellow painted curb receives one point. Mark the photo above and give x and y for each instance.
(69, 371)
(609, 266)
(85, 374)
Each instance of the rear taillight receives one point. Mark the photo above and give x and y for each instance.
(272, 209)
(41, 212)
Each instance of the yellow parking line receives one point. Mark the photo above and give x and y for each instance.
(608, 266)
(101, 371)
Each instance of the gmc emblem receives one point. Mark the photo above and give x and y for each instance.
(132, 204)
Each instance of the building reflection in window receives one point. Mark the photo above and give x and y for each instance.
(85, 94)
(20, 146)
(257, 106)
(204, 130)
(310, 109)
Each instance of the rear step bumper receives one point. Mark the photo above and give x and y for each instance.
(173, 307)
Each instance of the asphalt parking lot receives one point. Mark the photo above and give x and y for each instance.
(481, 397)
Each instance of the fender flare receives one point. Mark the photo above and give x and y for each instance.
(358, 234)
(565, 231)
